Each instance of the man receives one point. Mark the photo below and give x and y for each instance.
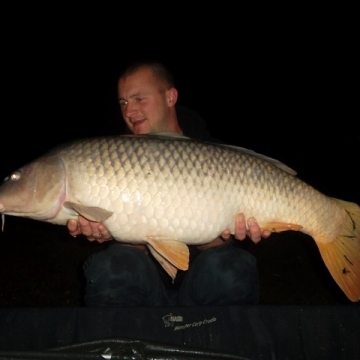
(123, 275)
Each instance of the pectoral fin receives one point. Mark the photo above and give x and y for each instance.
(279, 226)
(174, 252)
(92, 213)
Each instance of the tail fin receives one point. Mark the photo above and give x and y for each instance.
(342, 256)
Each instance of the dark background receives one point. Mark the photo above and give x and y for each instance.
(287, 91)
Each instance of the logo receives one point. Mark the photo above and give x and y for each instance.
(170, 319)
(176, 322)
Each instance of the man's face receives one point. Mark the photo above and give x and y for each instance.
(144, 102)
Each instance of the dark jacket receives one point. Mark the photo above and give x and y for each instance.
(193, 125)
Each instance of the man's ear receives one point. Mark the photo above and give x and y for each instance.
(172, 96)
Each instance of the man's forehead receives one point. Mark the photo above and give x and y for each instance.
(131, 86)
(136, 89)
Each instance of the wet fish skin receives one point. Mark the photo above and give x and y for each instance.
(168, 192)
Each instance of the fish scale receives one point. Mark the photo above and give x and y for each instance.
(168, 191)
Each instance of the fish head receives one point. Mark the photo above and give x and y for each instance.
(36, 190)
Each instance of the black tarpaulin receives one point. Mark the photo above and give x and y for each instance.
(250, 332)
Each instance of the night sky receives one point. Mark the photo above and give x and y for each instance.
(286, 92)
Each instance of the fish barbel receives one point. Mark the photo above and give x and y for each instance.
(170, 191)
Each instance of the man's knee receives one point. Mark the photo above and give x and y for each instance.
(121, 276)
(222, 276)
(114, 260)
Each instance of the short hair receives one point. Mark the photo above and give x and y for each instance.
(157, 67)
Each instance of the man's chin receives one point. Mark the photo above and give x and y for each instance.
(141, 131)
(140, 128)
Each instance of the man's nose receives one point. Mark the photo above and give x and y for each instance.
(130, 110)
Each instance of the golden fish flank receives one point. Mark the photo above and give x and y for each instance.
(169, 192)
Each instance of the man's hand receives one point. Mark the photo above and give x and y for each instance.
(254, 232)
(94, 231)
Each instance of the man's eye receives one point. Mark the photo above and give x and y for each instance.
(139, 99)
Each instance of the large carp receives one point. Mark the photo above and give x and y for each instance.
(169, 192)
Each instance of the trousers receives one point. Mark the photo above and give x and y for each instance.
(125, 276)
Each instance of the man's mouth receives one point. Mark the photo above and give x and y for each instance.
(137, 122)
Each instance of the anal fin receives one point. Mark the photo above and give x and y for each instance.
(174, 252)
(168, 267)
